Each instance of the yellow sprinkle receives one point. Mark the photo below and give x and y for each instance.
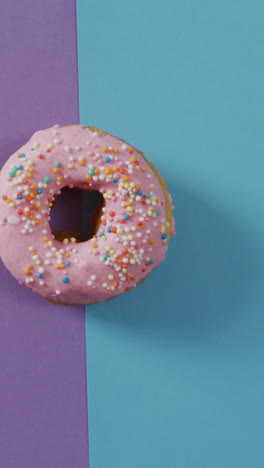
(54, 132)
(30, 248)
(108, 248)
(46, 239)
(130, 238)
(36, 144)
(30, 162)
(65, 241)
(70, 166)
(150, 213)
(38, 262)
(162, 228)
(116, 150)
(119, 230)
(49, 146)
(73, 239)
(129, 208)
(50, 243)
(11, 205)
(111, 277)
(111, 252)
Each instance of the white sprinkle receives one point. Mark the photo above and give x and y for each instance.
(93, 277)
(13, 220)
(57, 291)
(67, 148)
(124, 147)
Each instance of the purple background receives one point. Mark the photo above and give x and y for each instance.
(43, 410)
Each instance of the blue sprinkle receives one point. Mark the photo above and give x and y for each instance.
(40, 275)
(126, 216)
(20, 168)
(108, 229)
(139, 192)
(20, 197)
(67, 263)
(40, 190)
(115, 181)
(164, 236)
(22, 155)
(65, 279)
(101, 234)
(107, 159)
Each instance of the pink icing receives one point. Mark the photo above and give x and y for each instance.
(131, 240)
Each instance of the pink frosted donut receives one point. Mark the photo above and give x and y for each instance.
(134, 227)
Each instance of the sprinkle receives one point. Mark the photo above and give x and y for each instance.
(47, 180)
(67, 263)
(91, 172)
(57, 164)
(107, 159)
(126, 216)
(152, 261)
(66, 279)
(164, 236)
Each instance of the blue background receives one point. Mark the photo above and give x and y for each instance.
(175, 367)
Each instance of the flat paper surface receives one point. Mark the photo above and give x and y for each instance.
(175, 367)
(43, 414)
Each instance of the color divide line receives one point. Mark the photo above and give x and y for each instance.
(43, 407)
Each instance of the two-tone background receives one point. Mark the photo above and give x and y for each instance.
(173, 372)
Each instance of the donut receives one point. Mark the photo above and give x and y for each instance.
(133, 227)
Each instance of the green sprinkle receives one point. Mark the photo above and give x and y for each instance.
(15, 169)
(158, 212)
(106, 256)
(58, 164)
(91, 172)
(148, 195)
(47, 180)
(152, 261)
(12, 174)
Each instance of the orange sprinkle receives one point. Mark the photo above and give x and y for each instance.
(108, 170)
(94, 245)
(116, 169)
(55, 170)
(133, 159)
(59, 179)
(126, 179)
(116, 150)
(151, 241)
(88, 177)
(96, 171)
(105, 149)
(143, 169)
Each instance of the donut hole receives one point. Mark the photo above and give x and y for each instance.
(76, 214)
